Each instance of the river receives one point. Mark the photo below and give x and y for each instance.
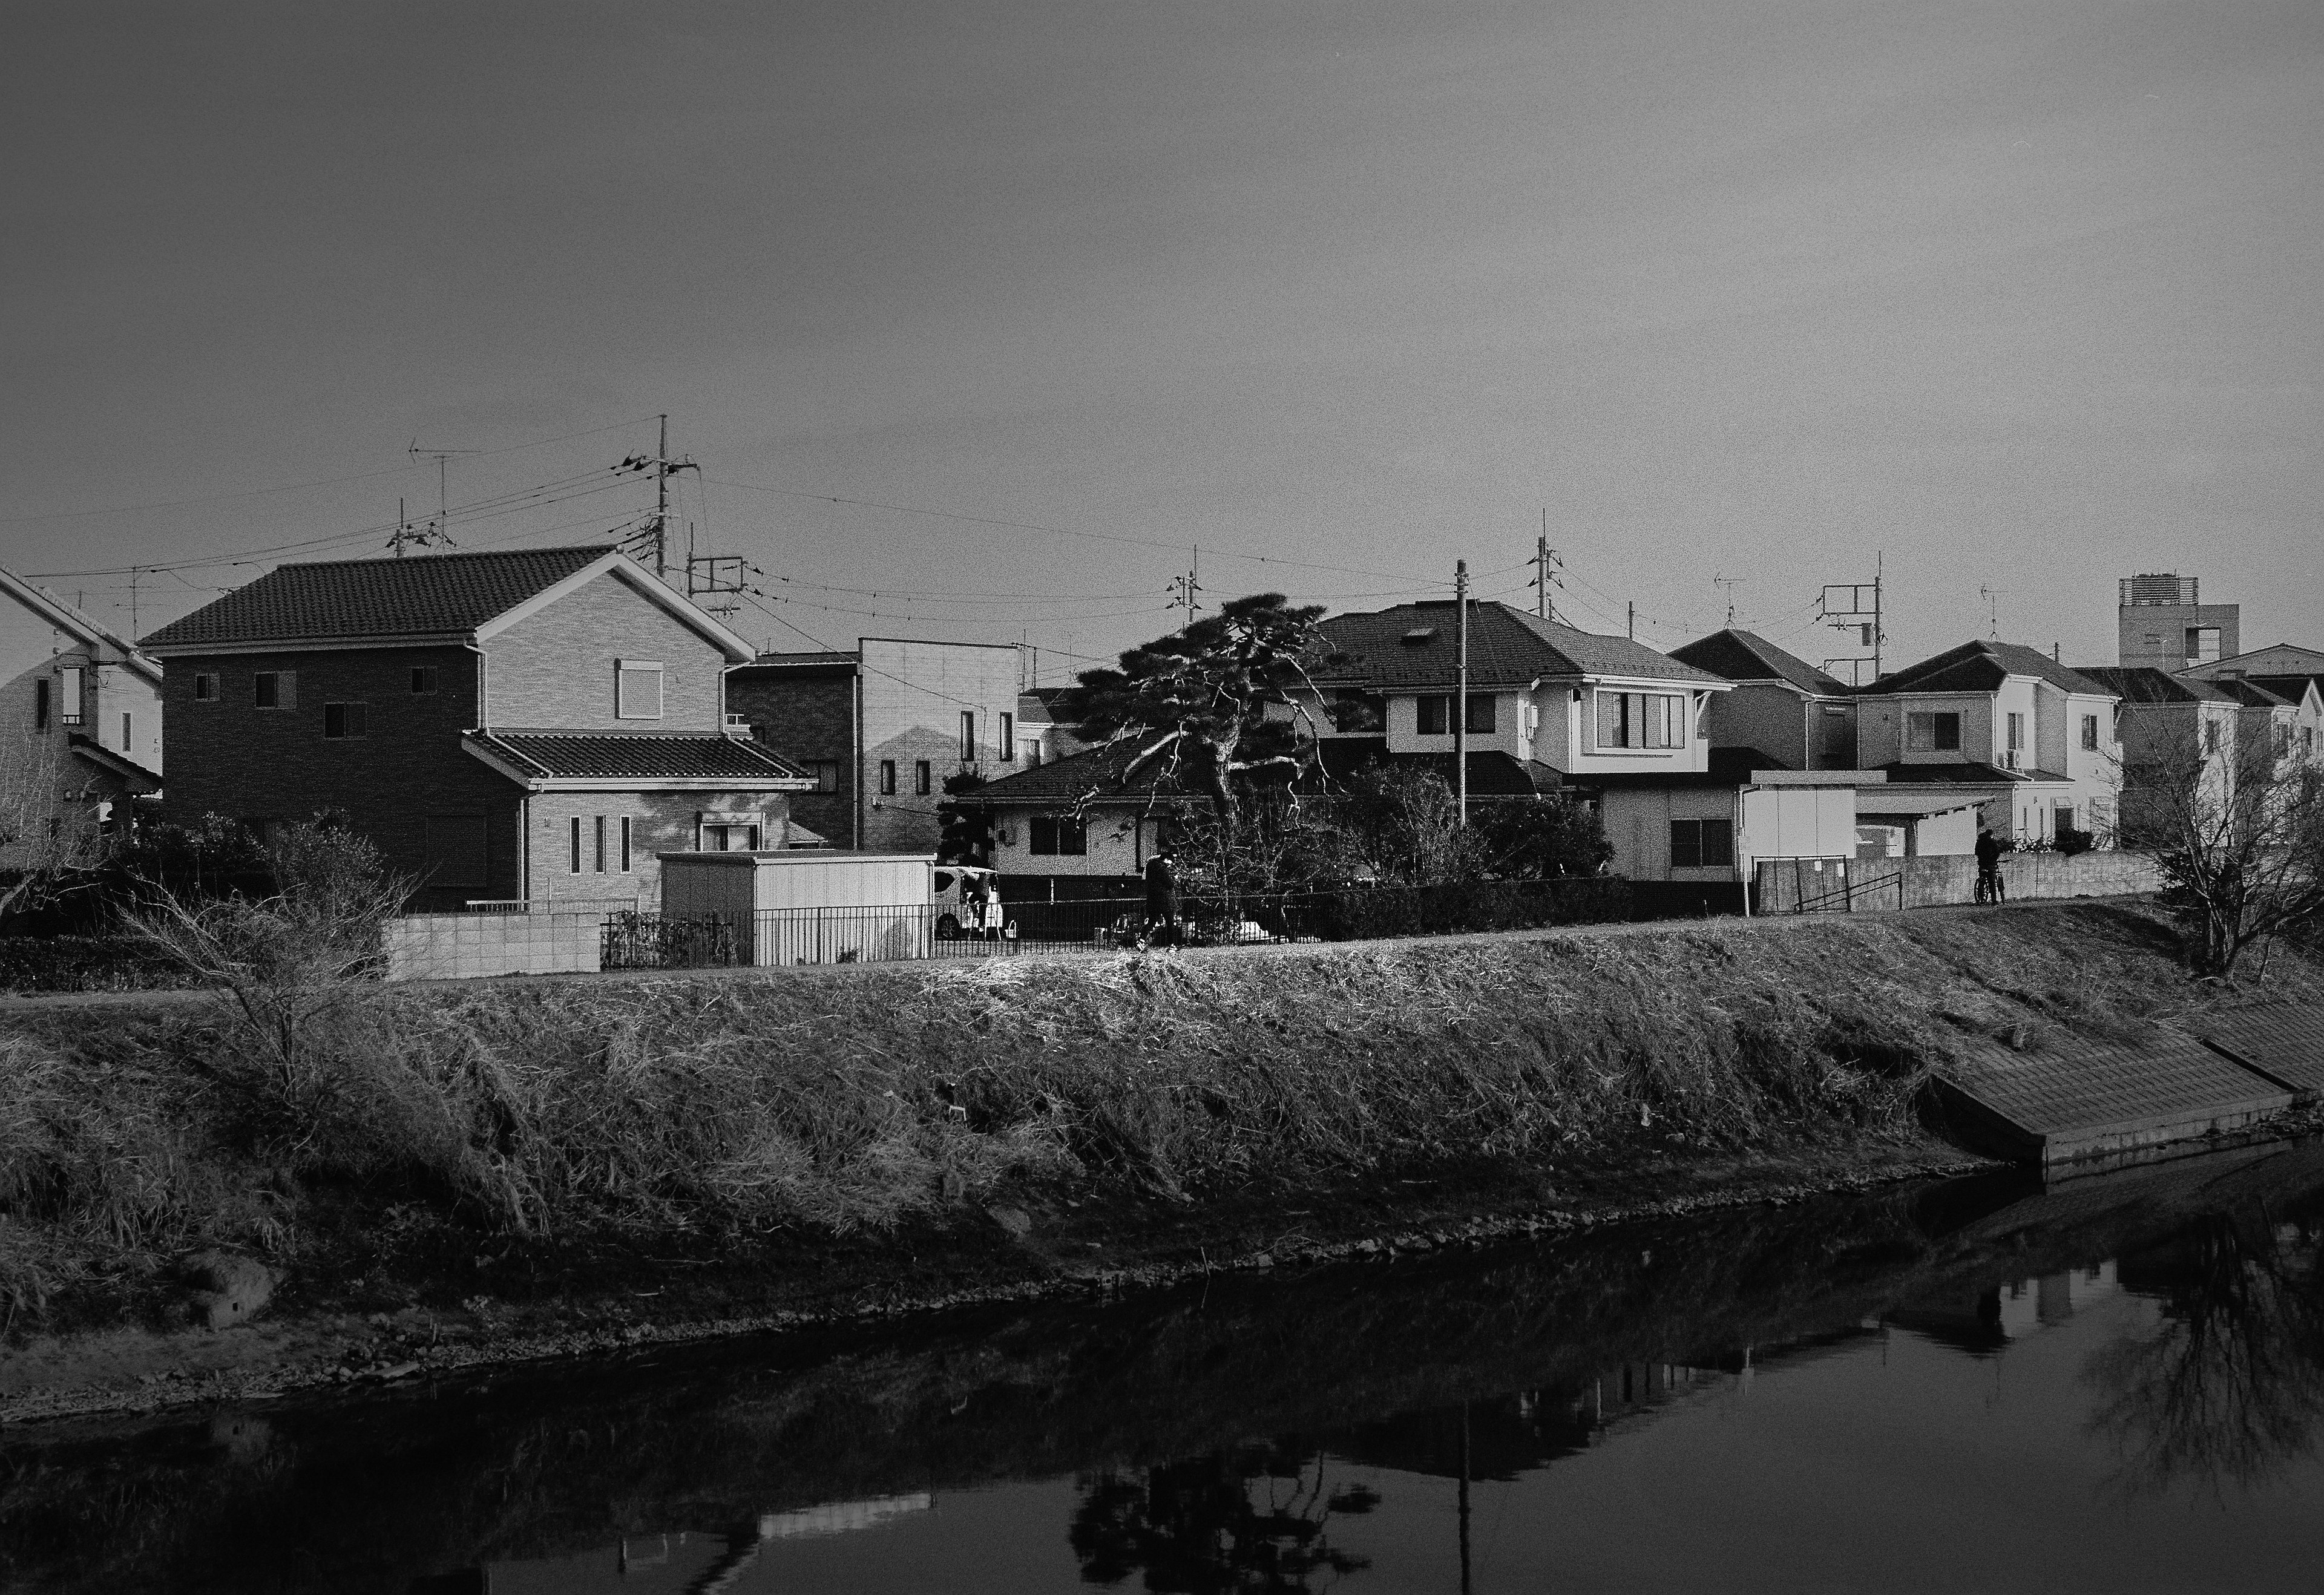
(2112, 1385)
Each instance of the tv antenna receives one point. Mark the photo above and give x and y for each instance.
(1727, 584)
(1992, 597)
(439, 531)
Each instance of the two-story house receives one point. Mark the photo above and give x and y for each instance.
(2030, 742)
(80, 722)
(536, 725)
(1801, 718)
(2292, 673)
(2180, 735)
(881, 726)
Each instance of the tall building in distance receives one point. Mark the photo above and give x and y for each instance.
(2165, 625)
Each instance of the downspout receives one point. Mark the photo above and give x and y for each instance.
(855, 743)
(1750, 869)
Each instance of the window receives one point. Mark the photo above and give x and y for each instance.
(68, 691)
(41, 704)
(1058, 834)
(1355, 711)
(1932, 733)
(1032, 748)
(730, 836)
(1702, 844)
(968, 736)
(827, 774)
(625, 845)
(456, 851)
(2063, 819)
(2017, 733)
(275, 689)
(574, 863)
(423, 680)
(343, 720)
(2210, 736)
(129, 733)
(205, 687)
(921, 781)
(1435, 713)
(1481, 712)
(2089, 733)
(2202, 644)
(637, 689)
(887, 777)
(1640, 720)
(2283, 738)
(1006, 743)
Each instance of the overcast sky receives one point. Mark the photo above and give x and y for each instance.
(2026, 296)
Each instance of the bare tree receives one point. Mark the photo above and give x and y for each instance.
(2238, 828)
(45, 839)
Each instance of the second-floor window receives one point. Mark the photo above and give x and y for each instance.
(2017, 733)
(1931, 732)
(344, 720)
(968, 736)
(1006, 743)
(887, 777)
(2210, 736)
(1641, 720)
(41, 704)
(2089, 733)
(827, 774)
(637, 689)
(423, 680)
(205, 687)
(923, 777)
(68, 690)
(128, 732)
(275, 689)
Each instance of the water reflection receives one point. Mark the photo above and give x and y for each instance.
(2228, 1387)
(1288, 1435)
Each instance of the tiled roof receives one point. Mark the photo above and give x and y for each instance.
(1415, 645)
(836, 660)
(2252, 695)
(429, 595)
(2143, 683)
(2290, 689)
(1982, 666)
(1745, 656)
(635, 756)
(1094, 776)
(140, 779)
(1491, 774)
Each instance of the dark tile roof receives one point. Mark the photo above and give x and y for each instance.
(1491, 774)
(424, 596)
(1415, 645)
(1728, 766)
(635, 756)
(1095, 775)
(1745, 656)
(2252, 695)
(836, 661)
(1967, 773)
(2143, 683)
(2289, 688)
(1982, 666)
(139, 777)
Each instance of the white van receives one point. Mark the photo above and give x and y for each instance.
(967, 899)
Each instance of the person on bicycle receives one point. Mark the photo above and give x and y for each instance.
(1989, 887)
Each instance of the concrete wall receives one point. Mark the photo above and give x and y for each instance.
(555, 669)
(2157, 633)
(1929, 881)
(463, 946)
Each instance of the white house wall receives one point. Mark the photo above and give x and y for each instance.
(1115, 847)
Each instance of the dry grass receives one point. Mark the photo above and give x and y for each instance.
(642, 1111)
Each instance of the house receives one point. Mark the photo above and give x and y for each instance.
(533, 725)
(1071, 829)
(2169, 724)
(1785, 708)
(2030, 742)
(82, 709)
(2272, 732)
(880, 727)
(2285, 668)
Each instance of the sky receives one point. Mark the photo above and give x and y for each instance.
(978, 319)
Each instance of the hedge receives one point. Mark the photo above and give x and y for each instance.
(86, 964)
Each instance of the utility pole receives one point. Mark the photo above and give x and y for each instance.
(1460, 689)
(1857, 607)
(1545, 564)
(663, 469)
(1184, 588)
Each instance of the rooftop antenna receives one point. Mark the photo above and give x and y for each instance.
(1992, 597)
(439, 529)
(1727, 584)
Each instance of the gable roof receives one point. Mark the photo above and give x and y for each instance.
(2292, 689)
(1092, 776)
(1745, 656)
(1980, 666)
(2252, 695)
(63, 617)
(437, 596)
(2143, 683)
(1415, 645)
(648, 757)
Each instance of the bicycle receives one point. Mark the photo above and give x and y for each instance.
(1991, 887)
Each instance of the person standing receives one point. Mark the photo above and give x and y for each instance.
(1989, 887)
(1162, 896)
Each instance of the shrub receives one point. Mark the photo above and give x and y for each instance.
(87, 964)
(1457, 906)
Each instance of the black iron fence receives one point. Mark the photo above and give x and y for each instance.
(894, 933)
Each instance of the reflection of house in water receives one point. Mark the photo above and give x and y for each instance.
(1987, 1323)
(680, 1564)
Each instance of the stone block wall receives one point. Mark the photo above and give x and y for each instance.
(1931, 881)
(463, 946)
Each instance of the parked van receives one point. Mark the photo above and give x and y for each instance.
(968, 901)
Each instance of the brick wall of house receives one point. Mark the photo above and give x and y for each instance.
(556, 669)
(659, 823)
(231, 758)
(807, 718)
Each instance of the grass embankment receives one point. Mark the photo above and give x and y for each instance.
(427, 1136)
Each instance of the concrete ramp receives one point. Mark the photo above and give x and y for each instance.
(2284, 1041)
(2071, 1098)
